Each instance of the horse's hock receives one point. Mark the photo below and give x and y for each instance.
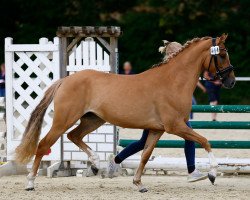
(32, 68)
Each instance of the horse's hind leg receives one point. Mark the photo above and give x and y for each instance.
(152, 139)
(43, 147)
(62, 121)
(89, 123)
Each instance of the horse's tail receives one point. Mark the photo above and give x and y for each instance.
(27, 149)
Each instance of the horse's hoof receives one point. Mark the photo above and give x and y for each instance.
(143, 190)
(211, 178)
(30, 189)
(94, 169)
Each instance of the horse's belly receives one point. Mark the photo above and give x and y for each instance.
(141, 117)
(137, 123)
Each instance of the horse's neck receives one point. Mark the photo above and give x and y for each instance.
(184, 70)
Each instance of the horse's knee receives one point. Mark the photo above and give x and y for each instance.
(176, 129)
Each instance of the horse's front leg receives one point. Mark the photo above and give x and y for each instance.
(152, 139)
(187, 133)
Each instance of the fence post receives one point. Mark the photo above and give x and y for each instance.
(9, 56)
(114, 68)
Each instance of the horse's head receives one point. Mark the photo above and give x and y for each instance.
(218, 62)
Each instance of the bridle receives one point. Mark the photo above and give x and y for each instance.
(215, 51)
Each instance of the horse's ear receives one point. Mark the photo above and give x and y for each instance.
(223, 38)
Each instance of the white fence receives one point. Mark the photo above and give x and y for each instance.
(30, 70)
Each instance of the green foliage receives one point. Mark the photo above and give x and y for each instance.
(144, 23)
(140, 44)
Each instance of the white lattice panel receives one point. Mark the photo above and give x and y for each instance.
(90, 55)
(31, 69)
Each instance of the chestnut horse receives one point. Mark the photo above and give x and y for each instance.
(158, 99)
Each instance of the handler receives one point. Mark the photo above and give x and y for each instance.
(189, 149)
(213, 90)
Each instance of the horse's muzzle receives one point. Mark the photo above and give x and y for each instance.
(229, 82)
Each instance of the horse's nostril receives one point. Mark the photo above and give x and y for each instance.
(232, 83)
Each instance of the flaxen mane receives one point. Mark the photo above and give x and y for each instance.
(186, 45)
